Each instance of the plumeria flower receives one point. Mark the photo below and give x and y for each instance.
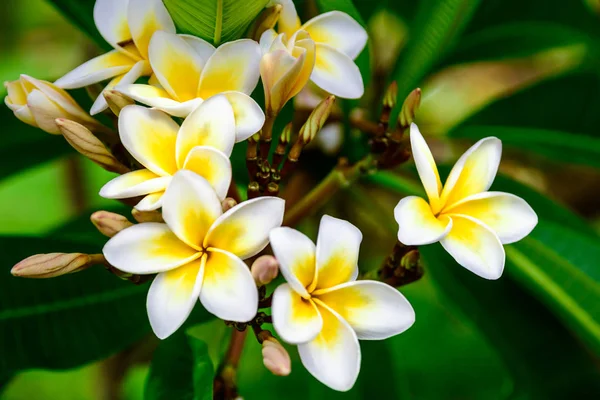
(339, 40)
(285, 67)
(197, 252)
(189, 70)
(202, 144)
(471, 223)
(39, 103)
(323, 308)
(127, 25)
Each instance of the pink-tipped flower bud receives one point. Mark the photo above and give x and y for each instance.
(275, 358)
(55, 264)
(264, 270)
(108, 223)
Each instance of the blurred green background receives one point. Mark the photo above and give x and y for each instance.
(528, 71)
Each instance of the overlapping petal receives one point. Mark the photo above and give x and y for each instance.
(172, 297)
(110, 17)
(159, 98)
(244, 229)
(145, 17)
(338, 30)
(150, 202)
(228, 290)
(288, 22)
(296, 255)
(296, 320)
(44, 111)
(249, 117)
(417, 224)
(212, 165)
(338, 245)
(97, 69)
(134, 183)
(139, 69)
(148, 248)
(336, 73)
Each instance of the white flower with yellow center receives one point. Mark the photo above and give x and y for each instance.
(189, 70)
(339, 40)
(471, 223)
(198, 252)
(127, 25)
(202, 144)
(322, 307)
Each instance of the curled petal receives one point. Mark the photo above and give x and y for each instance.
(244, 229)
(295, 319)
(96, 70)
(159, 98)
(134, 183)
(212, 165)
(146, 17)
(336, 73)
(417, 224)
(139, 69)
(45, 111)
(338, 30)
(296, 256)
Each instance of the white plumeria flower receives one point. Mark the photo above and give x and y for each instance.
(471, 223)
(189, 70)
(197, 252)
(127, 25)
(202, 144)
(322, 307)
(339, 40)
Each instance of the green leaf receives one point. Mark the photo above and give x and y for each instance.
(67, 321)
(433, 31)
(558, 146)
(216, 21)
(181, 369)
(81, 13)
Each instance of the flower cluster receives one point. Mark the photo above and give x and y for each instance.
(173, 156)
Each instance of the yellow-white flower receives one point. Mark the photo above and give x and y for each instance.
(471, 223)
(197, 252)
(189, 70)
(339, 40)
(322, 307)
(127, 25)
(285, 67)
(40, 103)
(202, 144)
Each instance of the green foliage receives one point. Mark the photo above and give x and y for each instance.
(80, 12)
(216, 21)
(181, 369)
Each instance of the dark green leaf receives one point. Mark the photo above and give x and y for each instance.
(181, 369)
(216, 21)
(558, 146)
(67, 321)
(81, 13)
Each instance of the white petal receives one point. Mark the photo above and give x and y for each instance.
(373, 309)
(249, 117)
(96, 70)
(475, 246)
(201, 46)
(149, 135)
(110, 17)
(336, 73)
(211, 124)
(150, 202)
(295, 254)
(158, 98)
(176, 65)
(295, 319)
(338, 244)
(145, 17)
(266, 40)
(417, 224)
(134, 183)
(147, 248)
(228, 290)
(233, 66)
(190, 207)
(244, 229)
(172, 297)
(334, 356)
(139, 69)
(509, 216)
(426, 167)
(338, 30)
(474, 171)
(212, 165)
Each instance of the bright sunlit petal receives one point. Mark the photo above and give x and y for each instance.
(110, 17)
(159, 98)
(134, 183)
(428, 172)
(417, 224)
(139, 69)
(249, 117)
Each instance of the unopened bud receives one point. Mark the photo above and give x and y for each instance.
(266, 20)
(116, 101)
(84, 141)
(389, 98)
(108, 223)
(228, 204)
(55, 264)
(316, 120)
(264, 269)
(275, 358)
(147, 216)
(409, 109)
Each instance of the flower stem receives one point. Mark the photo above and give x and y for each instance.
(266, 136)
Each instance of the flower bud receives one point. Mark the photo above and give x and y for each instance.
(266, 20)
(285, 67)
(86, 143)
(316, 120)
(55, 264)
(409, 109)
(228, 203)
(275, 358)
(39, 103)
(264, 269)
(108, 223)
(116, 101)
(147, 216)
